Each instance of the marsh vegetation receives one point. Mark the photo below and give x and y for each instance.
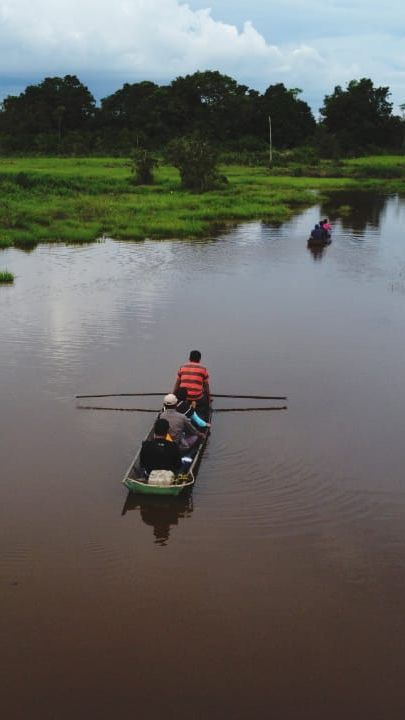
(80, 200)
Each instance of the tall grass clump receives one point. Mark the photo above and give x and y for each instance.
(6, 276)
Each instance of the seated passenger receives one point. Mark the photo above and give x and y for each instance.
(159, 453)
(325, 228)
(316, 233)
(185, 408)
(181, 429)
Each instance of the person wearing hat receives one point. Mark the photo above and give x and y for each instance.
(160, 453)
(181, 429)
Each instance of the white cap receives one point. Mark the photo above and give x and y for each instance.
(170, 399)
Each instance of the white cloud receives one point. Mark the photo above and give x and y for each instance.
(155, 37)
(328, 43)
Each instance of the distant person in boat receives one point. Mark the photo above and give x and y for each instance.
(195, 378)
(326, 228)
(181, 429)
(159, 453)
(317, 233)
(185, 408)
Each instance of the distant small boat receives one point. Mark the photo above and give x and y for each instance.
(324, 240)
(136, 480)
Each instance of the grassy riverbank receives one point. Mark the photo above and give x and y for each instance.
(82, 199)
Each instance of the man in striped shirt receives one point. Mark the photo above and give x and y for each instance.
(194, 377)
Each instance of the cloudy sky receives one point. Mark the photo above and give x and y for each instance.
(311, 44)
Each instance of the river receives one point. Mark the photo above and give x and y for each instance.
(277, 588)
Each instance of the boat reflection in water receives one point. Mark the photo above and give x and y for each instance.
(160, 512)
(317, 247)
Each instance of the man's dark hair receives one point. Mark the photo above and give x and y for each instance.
(161, 427)
(195, 356)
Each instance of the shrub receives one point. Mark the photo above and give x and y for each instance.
(143, 163)
(24, 180)
(250, 158)
(378, 171)
(305, 155)
(196, 160)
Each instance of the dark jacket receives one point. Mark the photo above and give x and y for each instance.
(159, 454)
(316, 233)
(184, 407)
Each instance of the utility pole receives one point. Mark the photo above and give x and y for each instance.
(270, 144)
(58, 114)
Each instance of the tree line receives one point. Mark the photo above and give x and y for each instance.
(60, 116)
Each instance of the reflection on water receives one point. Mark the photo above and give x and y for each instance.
(286, 563)
(160, 513)
(317, 249)
(357, 211)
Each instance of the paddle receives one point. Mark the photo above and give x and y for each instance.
(252, 409)
(123, 395)
(253, 397)
(148, 410)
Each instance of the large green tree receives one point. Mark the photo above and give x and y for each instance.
(126, 107)
(213, 104)
(55, 105)
(360, 117)
(292, 121)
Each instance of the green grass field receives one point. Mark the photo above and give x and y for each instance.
(79, 200)
(379, 161)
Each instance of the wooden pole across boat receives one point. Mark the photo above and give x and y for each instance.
(149, 410)
(214, 395)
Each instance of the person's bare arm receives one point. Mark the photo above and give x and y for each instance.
(176, 384)
(191, 428)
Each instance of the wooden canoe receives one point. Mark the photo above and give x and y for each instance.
(136, 481)
(326, 240)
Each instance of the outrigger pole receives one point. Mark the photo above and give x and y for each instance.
(148, 410)
(214, 395)
(253, 397)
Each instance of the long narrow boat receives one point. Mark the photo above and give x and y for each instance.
(136, 481)
(323, 240)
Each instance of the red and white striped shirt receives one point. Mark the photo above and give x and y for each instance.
(193, 377)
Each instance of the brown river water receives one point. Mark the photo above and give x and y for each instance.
(277, 588)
